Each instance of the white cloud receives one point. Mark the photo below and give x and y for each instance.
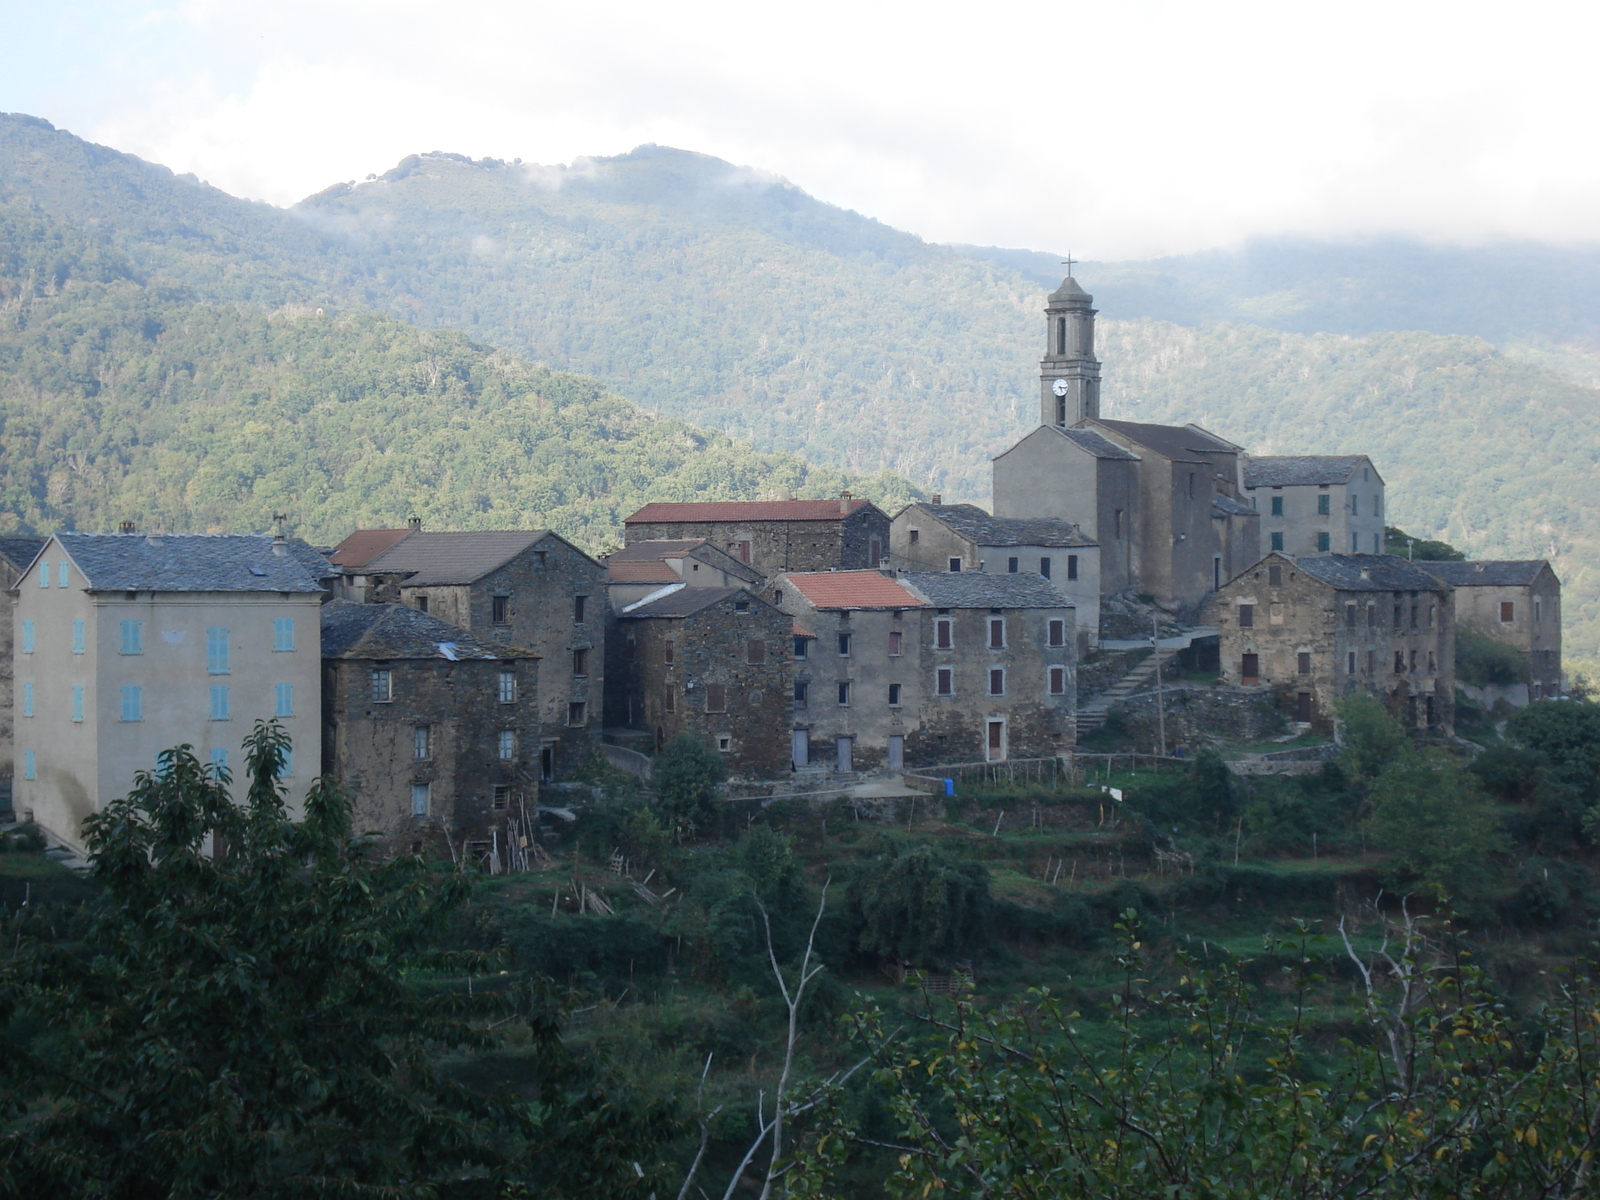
(1119, 130)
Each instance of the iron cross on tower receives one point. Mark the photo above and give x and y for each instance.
(1067, 262)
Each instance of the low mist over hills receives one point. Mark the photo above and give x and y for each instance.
(730, 299)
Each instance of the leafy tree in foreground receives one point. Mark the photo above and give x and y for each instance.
(248, 1025)
(686, 775)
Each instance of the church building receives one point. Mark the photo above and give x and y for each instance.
(1164, 503)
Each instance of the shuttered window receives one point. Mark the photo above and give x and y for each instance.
(221, 702)
(283, 695)
(27, 699)
(27, 637)
(1058, 681)
(132, 704)
(282, 634)
(77, 702)
(217, 650)
(132, 637)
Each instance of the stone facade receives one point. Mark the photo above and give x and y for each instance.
(1317, 504)
(1321, 627)
(716, 663)
(775, 535)
(1518, 604)
(419, 720)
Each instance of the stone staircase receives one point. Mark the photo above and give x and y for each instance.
(1092, 713)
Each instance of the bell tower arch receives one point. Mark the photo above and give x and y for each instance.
(1069, 373)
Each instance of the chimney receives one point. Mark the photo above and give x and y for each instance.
(844, 502)
(152, 538)
(414, 524)
(125, 527)
(1366, 573)
(280, 545)
(936, 499)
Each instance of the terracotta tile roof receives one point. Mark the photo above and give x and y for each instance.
(640, 572)
(852, 589)
(364, 545)
(802, 632)
(742, 510)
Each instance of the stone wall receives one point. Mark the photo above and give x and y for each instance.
(1198, 717)
(779, 546)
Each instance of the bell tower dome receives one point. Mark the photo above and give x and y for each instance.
(1069, 373)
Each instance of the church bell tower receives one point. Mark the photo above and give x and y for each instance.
(1069, 373)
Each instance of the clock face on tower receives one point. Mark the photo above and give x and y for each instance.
(1060, 387)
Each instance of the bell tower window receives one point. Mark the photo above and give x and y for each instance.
(1061, 336)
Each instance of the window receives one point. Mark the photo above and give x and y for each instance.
(422, 602)
(1058, 681)
(874, 552)
(1413, 660)
(894, 695)
(29, 771)
(941, 634)
(283, 699)
(955, 564)
(1072, 566)
(755, 651)
(217, 650)
(508, 687)
(1349, 616)
(502, 796)
(1508, 611)
(801, 649)
(1377, 509)
(670, 703)
(577, 712)
(1372, 662)
(800, 693)
(844, 693)
(282, 635)
(499, 610)
(1044, 567)
(724, 742)
(1191, 485)
(1249, 668)
(1538, 612)
(27, 699)
(1355, 506)
(946, 681)
(1323, 505)
(1275, 575)
(219, 758)
(1355, 543)
(132, 704)
(997, 681)
(506, 745)
(844, 645)
(220, 702)
(1431, 667)
(420, 795)
(744, 551)
(61, 573)
(1303, 663)
(1375, 547)
(580, 662)
(914, 536)
(1277, 506)
(997, 633)
(716, 698)
(1351, 669)
(1276, 540)
(27, 637)
(132, 637)
(1247, 616)
(1324, 542)
(741, 606)
(382, 685)
(1116, 523)
(1399, 662)
(777, 596)
(44, 574)
(669, 649)
(1011, 565)
(895, 640)
(1372, 616)
(1057, 632)
(577, 609)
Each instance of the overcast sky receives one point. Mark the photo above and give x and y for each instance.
(1118, 129)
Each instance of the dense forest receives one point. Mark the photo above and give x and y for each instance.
(728, 298)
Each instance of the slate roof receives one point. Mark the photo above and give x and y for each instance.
(972, 523)
(454, 557)
(313, 560)
(851, 589)
(1489, 573)
(351, 630)
(187, 562)
(684, 602)
(364, 545)
(1173, 441)
(1302, 470)
(1367, 573)
(1097, 444)
(743, 510)
(978, 589)
(21, 551)
(639, 572)
(654, 550)
(1227, 506)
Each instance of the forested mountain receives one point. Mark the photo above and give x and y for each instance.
(731, 299)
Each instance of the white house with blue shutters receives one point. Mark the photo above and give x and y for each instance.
(125, 645)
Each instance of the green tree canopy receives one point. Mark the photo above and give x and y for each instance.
(686, 775)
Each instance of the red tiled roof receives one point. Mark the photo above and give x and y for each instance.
(742, 510)
(801, 631)
(364, 545)
(852, 589)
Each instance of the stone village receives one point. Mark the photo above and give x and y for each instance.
(447, 677)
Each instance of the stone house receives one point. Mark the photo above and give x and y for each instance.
(1320, 627)
(433, 729)
(643, 568)
(926, 668)
(530, 589)
(127, 645)
(774, 535)
(1317, 504)
(1519, 604)
(716, 663)
(1163, 502)
(16, 555)
(962, 537)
